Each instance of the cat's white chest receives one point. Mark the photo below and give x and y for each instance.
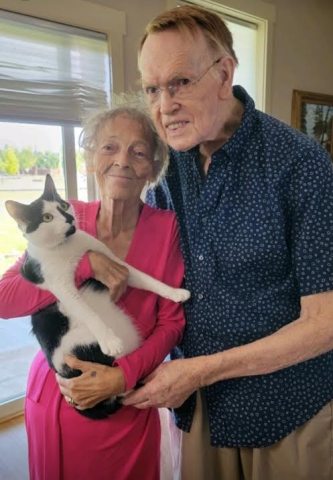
(113, 317)
(60, 262)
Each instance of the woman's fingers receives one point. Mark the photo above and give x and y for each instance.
(96, 383)
(112, 274)
(76, 364)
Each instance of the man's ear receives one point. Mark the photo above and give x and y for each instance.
(226, 68)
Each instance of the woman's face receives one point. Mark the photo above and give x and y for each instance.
(123, 159)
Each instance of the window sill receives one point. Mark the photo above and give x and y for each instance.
(12, 408)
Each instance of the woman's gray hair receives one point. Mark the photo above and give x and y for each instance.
(93, 125)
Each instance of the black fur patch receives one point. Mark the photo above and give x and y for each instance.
(34, 215)
(31, 270)
(49, 325)
(69, 218)
(51, 196)
(94, 285)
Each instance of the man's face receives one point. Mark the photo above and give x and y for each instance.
(183, 118)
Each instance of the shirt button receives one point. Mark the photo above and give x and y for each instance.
(201, 257)
(200, 296)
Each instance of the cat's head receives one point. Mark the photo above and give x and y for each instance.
(47, 221)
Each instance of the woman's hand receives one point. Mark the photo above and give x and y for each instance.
(169, 385)
(113, 275)
(97, 382)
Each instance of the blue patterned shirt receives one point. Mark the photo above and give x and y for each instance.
(257, 234)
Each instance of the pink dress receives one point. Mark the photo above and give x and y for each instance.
(64, 445)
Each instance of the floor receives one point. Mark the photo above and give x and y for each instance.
(13, 450)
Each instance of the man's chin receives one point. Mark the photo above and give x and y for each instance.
(181, 145)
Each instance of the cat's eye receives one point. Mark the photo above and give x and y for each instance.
(47, 217)
(64, 206)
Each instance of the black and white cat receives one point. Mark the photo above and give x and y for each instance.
(85, 322)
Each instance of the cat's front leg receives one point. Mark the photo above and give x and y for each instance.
(109, 343)
(141, 280)
(144, 281)
(93, 244)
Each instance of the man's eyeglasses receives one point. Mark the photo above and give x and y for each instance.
(177, 87)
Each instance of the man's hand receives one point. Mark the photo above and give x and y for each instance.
(97, 382)
(169, 385)
(113, 275)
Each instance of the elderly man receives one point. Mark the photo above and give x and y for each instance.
(253, 377)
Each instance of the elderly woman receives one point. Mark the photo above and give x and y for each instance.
(125, 154)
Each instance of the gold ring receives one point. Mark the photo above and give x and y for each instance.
(71, 402)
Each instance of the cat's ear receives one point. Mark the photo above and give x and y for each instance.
(50, 192)
(18, 211)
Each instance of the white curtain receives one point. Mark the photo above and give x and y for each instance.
(51, 72)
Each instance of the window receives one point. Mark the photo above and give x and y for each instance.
(245, 36)
(27, 151)
(51, 76)
(251, 27)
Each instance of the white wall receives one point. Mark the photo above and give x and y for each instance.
(138, 14)
(302, 51)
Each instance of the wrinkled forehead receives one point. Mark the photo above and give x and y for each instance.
(123, 124)
(172, 49)
(124, 127)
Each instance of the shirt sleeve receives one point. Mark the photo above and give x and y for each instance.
(160, 196)
(170, 323)
(312, 221)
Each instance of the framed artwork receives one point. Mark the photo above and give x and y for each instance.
(312, 113)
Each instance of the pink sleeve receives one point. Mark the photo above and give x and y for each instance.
(169, 326)
(18, 297)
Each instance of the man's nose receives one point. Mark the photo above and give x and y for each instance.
(167, 102)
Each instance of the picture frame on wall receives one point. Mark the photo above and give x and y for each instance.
(312, 113)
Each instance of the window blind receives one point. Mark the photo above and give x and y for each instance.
(51, 72)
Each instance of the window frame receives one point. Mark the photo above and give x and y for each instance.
(263, 16)
(92, 17)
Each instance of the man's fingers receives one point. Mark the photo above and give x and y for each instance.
(135, 397)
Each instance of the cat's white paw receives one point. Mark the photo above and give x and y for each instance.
(179, 295)
(111, 345)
